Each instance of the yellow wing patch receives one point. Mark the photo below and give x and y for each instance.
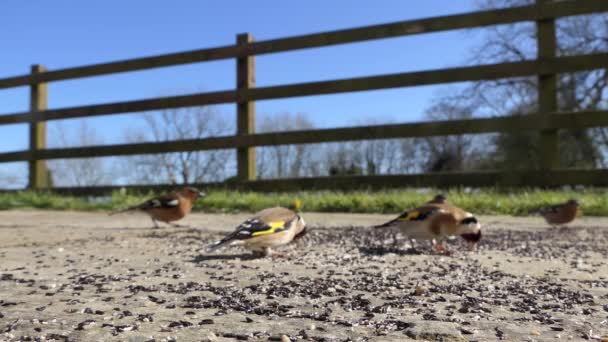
(412, 215)
(273, 227)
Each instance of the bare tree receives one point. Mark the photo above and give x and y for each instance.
(372, 157)
(287, 161)
(518, 96)
(341, 159)
(409, 152)
(78, 171)
(448, 153)
(9, 180)
(385, 156)
(180, 167)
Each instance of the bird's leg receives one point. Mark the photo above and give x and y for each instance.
(439, 247)
(394, 238)
(155, 223)
(259, 253)
(177, 225)
(274, 254)
(412, 244)
(472, 246)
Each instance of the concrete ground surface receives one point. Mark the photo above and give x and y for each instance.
(74, 276)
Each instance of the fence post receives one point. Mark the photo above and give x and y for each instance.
(547, 91)
(245, 79)
(38, 172)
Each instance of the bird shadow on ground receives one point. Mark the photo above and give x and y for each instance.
(210, 257)
(381, 250)
(160, 234)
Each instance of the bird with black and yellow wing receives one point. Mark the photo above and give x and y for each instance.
(267, 229)
(436, 222)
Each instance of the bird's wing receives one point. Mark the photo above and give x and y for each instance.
(256, 227)
(552, 209)
(166, 201)
(418, 214)
(264, 223)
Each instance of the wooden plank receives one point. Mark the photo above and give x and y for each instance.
(547, 89)
(11, 119)
(450, 75)
(17, 156)
(245, 114)
(126, 107)
(550, 65)
(396, 29)
(143, 105)
(429, 25)
(555, 178)
(439, 76)
(511, 124)
(143, 148)
(178, 58)
(408, 79)
(103, 190)
(577, 120)
(38, 171)
(535, 179)
(15, 81)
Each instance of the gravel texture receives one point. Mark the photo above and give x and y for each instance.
(87, 277)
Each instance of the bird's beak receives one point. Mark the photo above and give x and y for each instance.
(201, 194)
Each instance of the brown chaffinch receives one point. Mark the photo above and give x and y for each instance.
(560, 214)
(169, 207)
(435, 222)
(267, 229)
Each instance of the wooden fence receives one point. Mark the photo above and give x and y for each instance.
(547, 121)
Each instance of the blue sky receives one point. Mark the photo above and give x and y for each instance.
(62, 33)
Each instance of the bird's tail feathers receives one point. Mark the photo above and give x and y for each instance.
(386, 225)
(217, 244)
(120, 211)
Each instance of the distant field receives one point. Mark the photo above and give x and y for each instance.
(517, 202)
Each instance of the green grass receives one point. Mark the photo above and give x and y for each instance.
(482, 202)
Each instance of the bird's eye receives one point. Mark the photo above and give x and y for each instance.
(469, 220)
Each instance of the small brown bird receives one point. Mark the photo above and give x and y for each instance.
(267, 229)
(561, 214)
(168, 208)
(435, 222)
(438, 199)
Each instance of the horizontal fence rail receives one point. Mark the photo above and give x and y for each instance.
(345, 183)
(545, 68)
(507, 124)
(403, 28)
(408, 79)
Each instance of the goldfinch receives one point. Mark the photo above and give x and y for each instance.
(438, 199)
(267, 229)
(169, 207)
(435, 222)
(560, 214)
